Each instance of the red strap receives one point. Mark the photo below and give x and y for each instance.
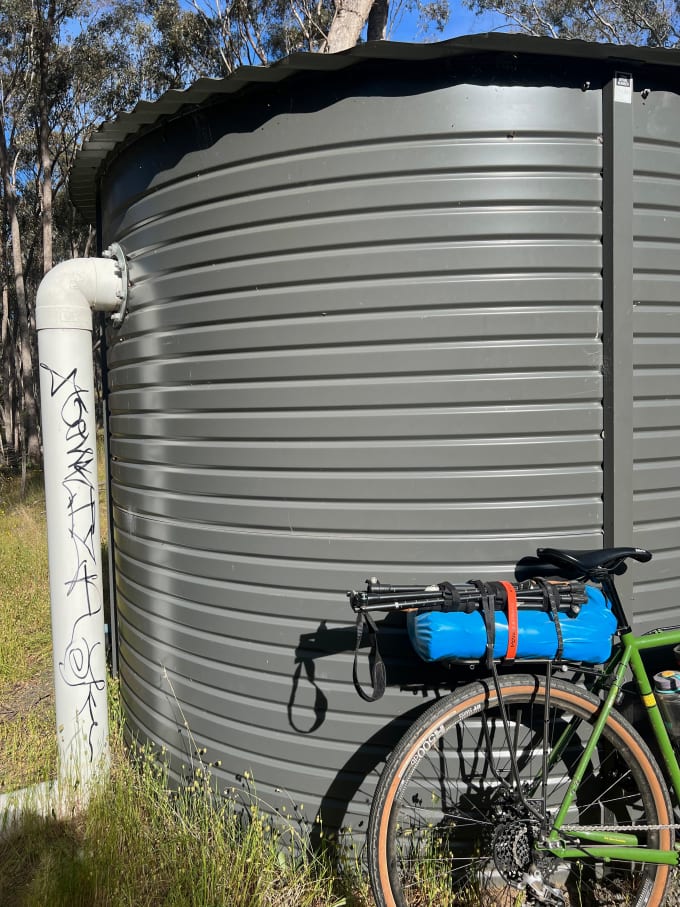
(512, 620)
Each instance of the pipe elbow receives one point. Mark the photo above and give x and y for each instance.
(72, 289)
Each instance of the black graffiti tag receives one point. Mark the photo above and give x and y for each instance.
(77, 666)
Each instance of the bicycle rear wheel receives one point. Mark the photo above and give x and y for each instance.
(447, 826)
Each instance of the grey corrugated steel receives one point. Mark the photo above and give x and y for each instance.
(375, 353)
(364, 336)
(534, 51)
(656, 350)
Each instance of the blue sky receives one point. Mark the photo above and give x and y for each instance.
(464, 22)
(461, 22)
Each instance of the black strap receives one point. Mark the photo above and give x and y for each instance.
(552, 597)
(500, 594)
(451, 599)
(375, 662)
(489, 613)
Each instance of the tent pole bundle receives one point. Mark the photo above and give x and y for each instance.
(468, 596)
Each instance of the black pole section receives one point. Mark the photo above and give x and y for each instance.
(570, 595)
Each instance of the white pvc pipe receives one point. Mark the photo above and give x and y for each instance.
(42, 799)
(64, 304)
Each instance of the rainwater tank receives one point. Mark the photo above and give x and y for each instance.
(407, 311)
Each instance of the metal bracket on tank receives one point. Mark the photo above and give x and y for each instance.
(116, 251)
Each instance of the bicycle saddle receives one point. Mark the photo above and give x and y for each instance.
(573, 565)
(593, 562)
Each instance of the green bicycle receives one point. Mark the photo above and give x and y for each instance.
(528, 789)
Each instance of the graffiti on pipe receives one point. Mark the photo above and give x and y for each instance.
(78, 665)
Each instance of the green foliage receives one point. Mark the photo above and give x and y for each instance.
(654, 23)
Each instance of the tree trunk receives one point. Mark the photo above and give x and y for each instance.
(46, 196)
(46, 163)
(7, 386)
(29, 437)
(377, 20)
(350, 18)
(91, 236)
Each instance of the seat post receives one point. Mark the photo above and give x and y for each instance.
(605, 578)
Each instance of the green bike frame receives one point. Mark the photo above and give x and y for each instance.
(607, 845)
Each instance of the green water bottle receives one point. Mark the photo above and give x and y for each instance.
(667, 692)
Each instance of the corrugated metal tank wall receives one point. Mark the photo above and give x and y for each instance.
(364, 337)
(656, 360)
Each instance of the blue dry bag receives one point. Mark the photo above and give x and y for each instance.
(586, 636)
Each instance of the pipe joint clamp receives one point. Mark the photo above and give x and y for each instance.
(116, 251)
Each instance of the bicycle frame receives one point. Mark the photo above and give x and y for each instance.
(605, 844)
(559, 838)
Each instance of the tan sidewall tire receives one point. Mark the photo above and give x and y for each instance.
(441, 713)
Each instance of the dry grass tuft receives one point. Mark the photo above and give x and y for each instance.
(27, 744)
(138, 843)
(135, 843)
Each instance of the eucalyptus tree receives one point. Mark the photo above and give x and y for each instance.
(654, 23)
(20, 409)
(59, 74)
(68, 65)
(260, 31)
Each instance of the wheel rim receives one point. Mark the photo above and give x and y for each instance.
(451, 833)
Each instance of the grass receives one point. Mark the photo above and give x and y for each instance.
(27, 745)
(136, 842)
(24, 631)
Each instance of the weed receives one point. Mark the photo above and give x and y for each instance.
(27, 740)
(138, 843)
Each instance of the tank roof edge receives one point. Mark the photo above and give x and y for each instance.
(116, 133)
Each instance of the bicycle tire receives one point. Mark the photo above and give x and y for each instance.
(444, 829)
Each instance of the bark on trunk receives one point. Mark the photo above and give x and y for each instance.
(46, 200)
(7, 358)
(350, 18)
(46, 163)
(30, 438)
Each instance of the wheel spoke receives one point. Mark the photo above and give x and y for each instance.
(452, 828)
